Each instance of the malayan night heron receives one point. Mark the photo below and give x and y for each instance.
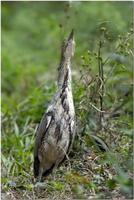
(56, 130)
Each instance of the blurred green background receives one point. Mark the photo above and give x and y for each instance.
(32, 33)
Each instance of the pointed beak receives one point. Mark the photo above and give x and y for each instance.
(71, 35)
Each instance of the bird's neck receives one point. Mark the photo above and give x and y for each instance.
(64, 77)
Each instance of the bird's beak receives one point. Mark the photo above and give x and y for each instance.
(71, 36)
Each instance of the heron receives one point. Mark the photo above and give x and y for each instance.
(56, 131)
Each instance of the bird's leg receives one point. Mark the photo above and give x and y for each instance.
(39, 179)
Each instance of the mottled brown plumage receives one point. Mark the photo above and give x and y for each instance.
(56, 130)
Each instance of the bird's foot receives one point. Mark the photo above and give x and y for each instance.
(40, 185)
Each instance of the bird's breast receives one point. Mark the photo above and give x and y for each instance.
(70, 101)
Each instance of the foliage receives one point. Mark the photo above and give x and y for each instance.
(100, 164)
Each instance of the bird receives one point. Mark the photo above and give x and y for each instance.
(56, 131)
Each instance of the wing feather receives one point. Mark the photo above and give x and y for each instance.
(41, 131)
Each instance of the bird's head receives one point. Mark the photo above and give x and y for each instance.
(67, 51)
(68, 46)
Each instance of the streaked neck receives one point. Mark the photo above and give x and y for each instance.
(64, 76)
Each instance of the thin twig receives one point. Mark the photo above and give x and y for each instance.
(101, 75)
(101, 111)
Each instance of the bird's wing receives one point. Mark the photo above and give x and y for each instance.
(42, 129)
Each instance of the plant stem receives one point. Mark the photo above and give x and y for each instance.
(101, 76)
